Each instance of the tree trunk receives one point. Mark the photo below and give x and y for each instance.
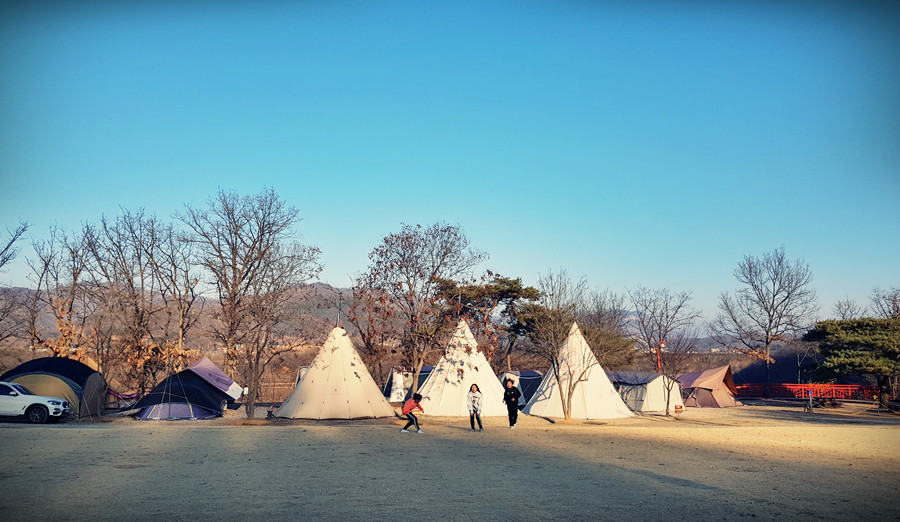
(668, 387)
(417, 370)
(379, 369)
(250, 406)
(884, 392)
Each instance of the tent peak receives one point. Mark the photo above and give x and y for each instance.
(336, 331)
(575, 329)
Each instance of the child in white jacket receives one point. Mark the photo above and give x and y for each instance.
(473, 399)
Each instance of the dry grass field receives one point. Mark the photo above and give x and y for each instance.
(767, 462)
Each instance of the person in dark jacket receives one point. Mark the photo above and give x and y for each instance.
(511, 397)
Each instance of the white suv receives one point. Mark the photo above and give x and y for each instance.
(16, 400)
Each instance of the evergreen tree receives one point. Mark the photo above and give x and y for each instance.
(868, 347)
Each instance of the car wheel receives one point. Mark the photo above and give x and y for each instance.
(37, 414)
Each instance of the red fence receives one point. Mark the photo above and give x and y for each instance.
(802, 391)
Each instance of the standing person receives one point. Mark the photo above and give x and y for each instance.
(511, 397)
(473, 400)
(408, 407)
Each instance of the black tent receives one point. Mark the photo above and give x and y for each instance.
(184, 395)
(78, 383)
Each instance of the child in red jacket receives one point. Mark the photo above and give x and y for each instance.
(408, 407)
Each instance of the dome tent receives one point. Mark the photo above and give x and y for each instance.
(81, 385)
(712, 388)
(200, 391)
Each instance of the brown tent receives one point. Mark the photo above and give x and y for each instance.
(710, 389)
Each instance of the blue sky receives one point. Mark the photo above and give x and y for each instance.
(651, 145)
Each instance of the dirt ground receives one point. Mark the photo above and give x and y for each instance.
(768, 462)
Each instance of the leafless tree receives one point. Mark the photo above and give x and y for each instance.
(247, 245)
(886, 303)
(142, 281)
(408, 266)
(58, 270)
(561, 301)
(174, 264)
(776, 303)
(123, 281)
(9, 251)
(805, 354)
(550, 330)
(11, 302)
(848, 309)
(560, 292)
(604, 322)
(373, 313)
(667, 331)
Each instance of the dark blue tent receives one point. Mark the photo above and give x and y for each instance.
(526, 380)
(406, 375)
(184, 395)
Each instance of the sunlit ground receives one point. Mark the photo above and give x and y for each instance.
(758, 462)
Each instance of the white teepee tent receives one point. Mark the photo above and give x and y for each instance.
(461, 366)
(336, 386)
(592, 398)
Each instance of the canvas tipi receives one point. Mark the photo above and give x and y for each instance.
(593, 396)
(462, 365)
(336, 386)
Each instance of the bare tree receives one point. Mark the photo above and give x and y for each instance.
(9, 251)
(174, 264)
(549, 331)
(124, 284)
(11, 302)
(886, 303)
(604, 322)
(666, 324)
(247, 246)
(142, 281)
(373, 313)
(409, 267)
(268, 335)
(559, 292)
(806, 355)
(549, 324)
(58, 269)
(775, 304)
(848, 309)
